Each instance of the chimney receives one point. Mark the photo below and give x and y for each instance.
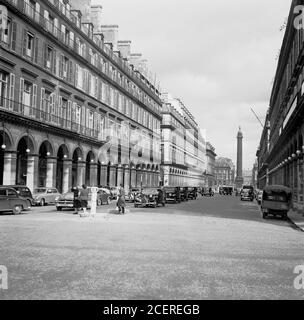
(84, 6)
(110, 33)
(135, 59)
(96, 18)
(124, 46)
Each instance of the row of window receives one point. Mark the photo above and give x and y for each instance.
(74, 42)
(53, 107)
(83, 79)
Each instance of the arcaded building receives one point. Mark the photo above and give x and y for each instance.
(183, 146)
(73, 109)
(280, 154)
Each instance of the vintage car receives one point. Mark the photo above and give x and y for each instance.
(24, 192)
(66, 200)
(149, 197)
(130, 196)
(192, 193)
(276, 200)
(11, 201)
(43, 196)
(172, 194)
(184, 193)
(247, 193)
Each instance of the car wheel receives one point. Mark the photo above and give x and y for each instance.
(264, 215)
(163, 204)
(17, 209)
(59, 209)
(29, 202)
(42, 202)
(99, 202)
(135, 205)
(154, 204)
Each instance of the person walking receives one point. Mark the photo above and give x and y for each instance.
(121, 201)
(84, 198)
(76, 201)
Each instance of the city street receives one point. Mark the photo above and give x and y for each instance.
(210, 248)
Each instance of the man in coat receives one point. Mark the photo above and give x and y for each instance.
(121, 201)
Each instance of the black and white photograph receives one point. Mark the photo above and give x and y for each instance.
(151, 151)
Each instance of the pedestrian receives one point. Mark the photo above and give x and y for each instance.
(76, 201)
(84, 198)
(121, 201)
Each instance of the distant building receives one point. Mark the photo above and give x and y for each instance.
(247, 177)
(210, 171)
(183, 145)
(224, 172)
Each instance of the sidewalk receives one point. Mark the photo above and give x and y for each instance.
(297, 219)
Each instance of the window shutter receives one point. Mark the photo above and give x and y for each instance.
(57, 64)
(37, 13)
(52, 108)
(14, 36)
(36, 50)
(70, 72)
(45, 54)
(61, 66)
(54, 61)
(76, 75)
(60, 112)
(71, 39)
(34, 104)
(83, 115)
(55, 32)
(69, 114)
(41, 103)
(24, 42)
(12, 92)
(21, 91)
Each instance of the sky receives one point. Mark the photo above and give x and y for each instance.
(219, 57)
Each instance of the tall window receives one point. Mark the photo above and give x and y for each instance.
(3, 88)
(48, 57)
(29, 45)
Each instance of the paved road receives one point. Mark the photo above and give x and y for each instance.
(211, 248)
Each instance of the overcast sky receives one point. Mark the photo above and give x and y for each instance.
(218, 57)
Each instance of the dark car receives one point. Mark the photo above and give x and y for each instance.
(24, 192)
(172, 194)
(149, 197)
(11, 201)
(184, 193)
(130, 196)
(192, 193)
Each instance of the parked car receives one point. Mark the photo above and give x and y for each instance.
(24, 192)
(172, 194)
(66, 200)
(149, 197)
(130, 196)
(11, 201)
(192, 193)
(276, 200)
(43, 196)
(184, 193)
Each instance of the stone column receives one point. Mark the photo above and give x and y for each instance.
(93, 174)
(67, 175)
(32, 171)
(133, 178)
(9, 170)
(127, 178)
(81, 166)
(139, 178)
(51, 167)
(119, 175)
(113, 170)
(103, 175)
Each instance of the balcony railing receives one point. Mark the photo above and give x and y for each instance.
(82, 50)
(46, 117)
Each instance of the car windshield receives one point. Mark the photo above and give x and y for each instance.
(275, 196)
(23, 190)
(40, 190)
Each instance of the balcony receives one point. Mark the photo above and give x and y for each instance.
(26, 112)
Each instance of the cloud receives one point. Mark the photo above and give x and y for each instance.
(217, 56)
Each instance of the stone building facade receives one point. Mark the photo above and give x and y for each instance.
(224, 172)
(72, 110)
(281, 150)
(210, 170)
(183, 146)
